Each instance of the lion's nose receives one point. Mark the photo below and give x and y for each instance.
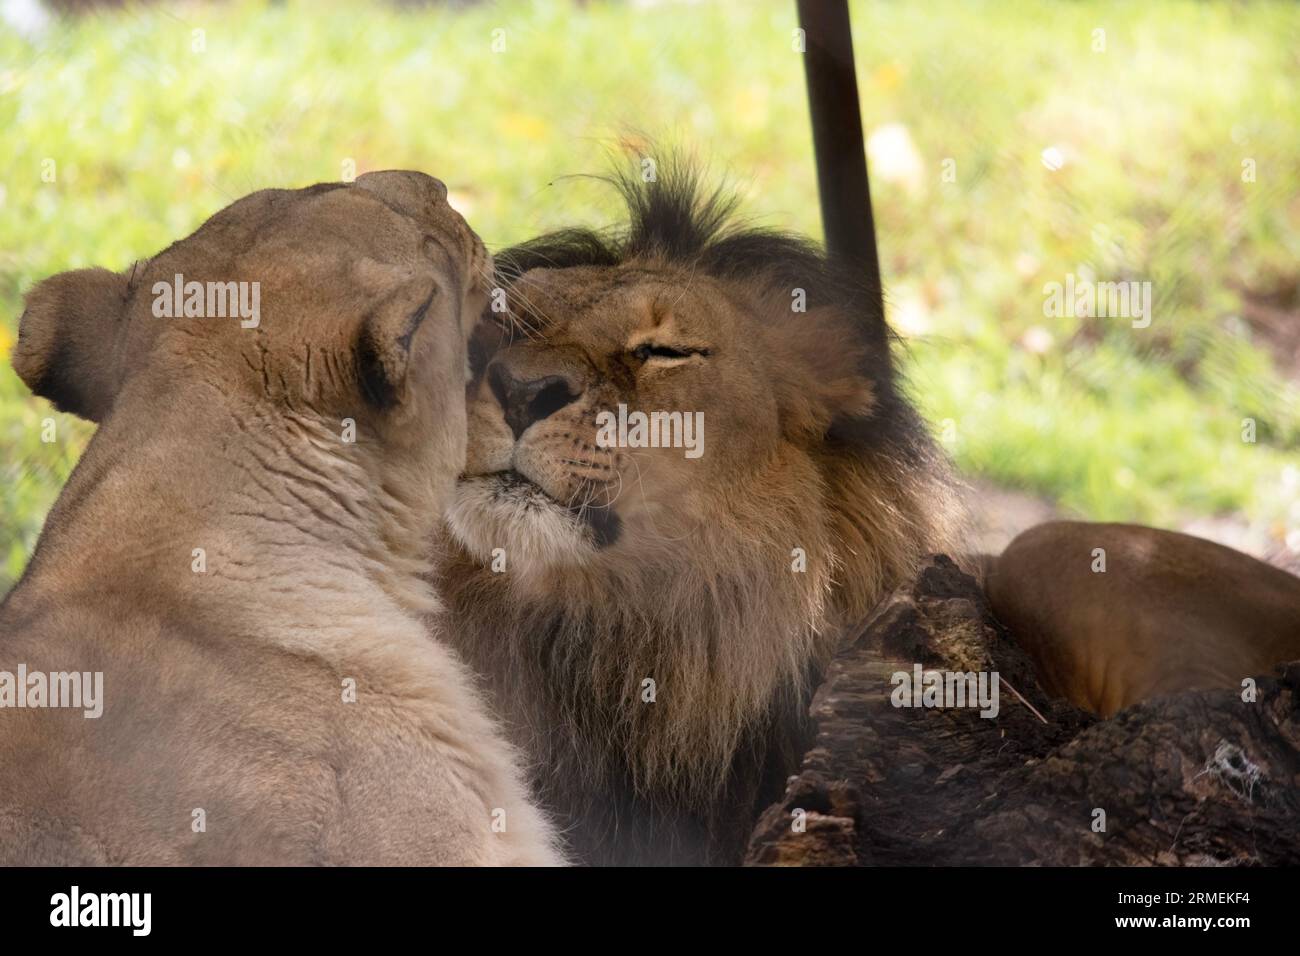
(528, 399)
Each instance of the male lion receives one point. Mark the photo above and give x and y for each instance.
(651, 624)
(244, 571)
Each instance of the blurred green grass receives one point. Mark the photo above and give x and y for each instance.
(150, 134)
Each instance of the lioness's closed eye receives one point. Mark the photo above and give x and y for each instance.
(236, 559)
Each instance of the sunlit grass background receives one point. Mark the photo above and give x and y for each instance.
(152, 126)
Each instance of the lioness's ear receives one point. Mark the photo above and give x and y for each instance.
(406, 190)
(383, 347)
(69, 340)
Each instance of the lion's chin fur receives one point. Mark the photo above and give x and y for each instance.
(534, 532)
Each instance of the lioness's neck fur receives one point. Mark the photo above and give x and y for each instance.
(259, 471)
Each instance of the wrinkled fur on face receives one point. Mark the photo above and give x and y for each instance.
(236, 563)
(346, 279)
(628, 564)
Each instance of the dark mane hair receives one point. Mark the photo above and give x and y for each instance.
(677, 219)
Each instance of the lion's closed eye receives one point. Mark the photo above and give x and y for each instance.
(666, 355)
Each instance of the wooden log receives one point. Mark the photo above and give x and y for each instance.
(1198, 778)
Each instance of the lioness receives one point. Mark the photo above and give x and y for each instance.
(238, 552)
(652, 621)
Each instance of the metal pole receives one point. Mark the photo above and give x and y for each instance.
(838, 143)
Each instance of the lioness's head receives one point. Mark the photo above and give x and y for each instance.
(798, 482)
(321, 331)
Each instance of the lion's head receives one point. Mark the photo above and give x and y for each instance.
(327, 326)
(721, 570)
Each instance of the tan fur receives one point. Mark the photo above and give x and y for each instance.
(1170, 612)
(697, 593)
(224, 690)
